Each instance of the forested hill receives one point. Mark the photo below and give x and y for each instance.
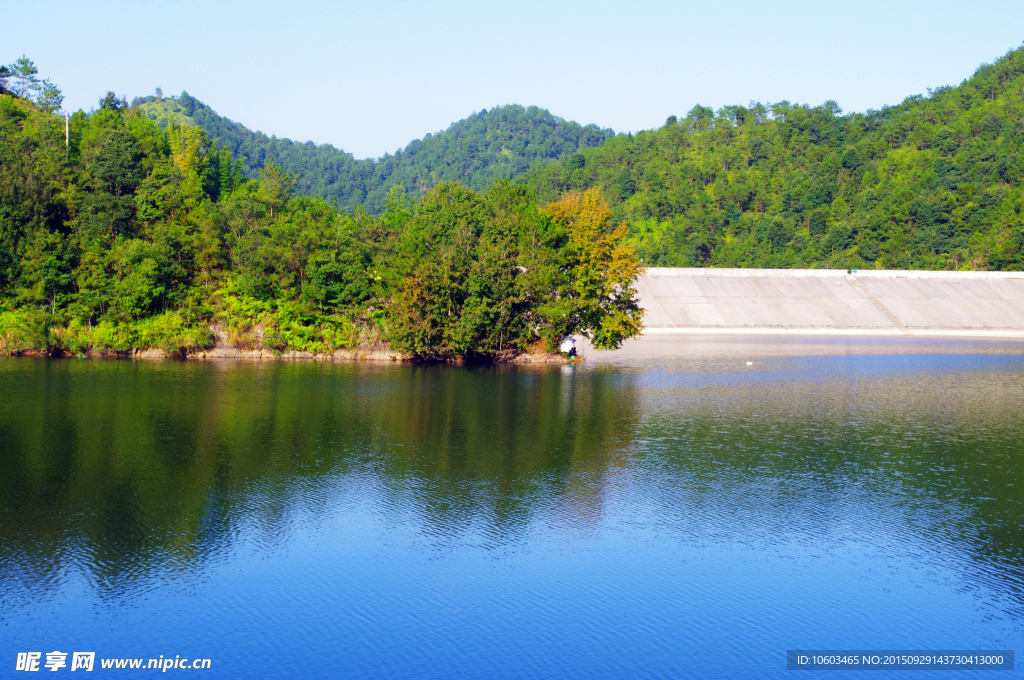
(120, 235)
(932, 183)
(489, 145)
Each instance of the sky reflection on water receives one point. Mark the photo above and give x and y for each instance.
(678, 518)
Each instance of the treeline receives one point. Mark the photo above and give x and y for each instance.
(140, 234)
(932, 183)
(22, 79)
(487, 146)
(134, 236)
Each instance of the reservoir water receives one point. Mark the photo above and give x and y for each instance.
(645, 517)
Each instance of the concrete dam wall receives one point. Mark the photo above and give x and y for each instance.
(833, 302)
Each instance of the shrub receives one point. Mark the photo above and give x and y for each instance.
(22, 330)
(112, 337)
(169, 332)
(74, 338)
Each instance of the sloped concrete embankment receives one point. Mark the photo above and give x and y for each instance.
(833, 302)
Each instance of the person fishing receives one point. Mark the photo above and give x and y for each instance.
(568, 346)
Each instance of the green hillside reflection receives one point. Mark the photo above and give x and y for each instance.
(124, 472)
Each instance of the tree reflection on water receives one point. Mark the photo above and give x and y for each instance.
(123, 472)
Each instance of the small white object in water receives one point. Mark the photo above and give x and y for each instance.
(750, 363)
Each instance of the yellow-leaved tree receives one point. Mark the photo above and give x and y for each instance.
(593, 289)
(190, 147)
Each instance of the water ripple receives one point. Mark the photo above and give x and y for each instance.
(432, 522)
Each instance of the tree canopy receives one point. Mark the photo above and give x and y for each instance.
(137, 236)
(931, 183)
(160, 223)
(488, 145)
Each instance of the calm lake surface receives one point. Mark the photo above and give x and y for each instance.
(632, 518)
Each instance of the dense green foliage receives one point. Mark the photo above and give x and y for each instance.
(149, 230)
(477, 151)
(137, 236)
(932, 183)
(493, 272)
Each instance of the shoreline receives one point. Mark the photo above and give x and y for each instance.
(362, 355)
(969, 333)
(710, 346)
(655, 342)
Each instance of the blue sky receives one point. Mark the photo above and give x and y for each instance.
(370, 77)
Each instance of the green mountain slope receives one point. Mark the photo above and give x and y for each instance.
(932, 183)
(122, 235)
(489, 145)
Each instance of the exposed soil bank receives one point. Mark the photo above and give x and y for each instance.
(376, 355)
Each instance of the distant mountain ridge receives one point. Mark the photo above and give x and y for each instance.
(935, 182)
(501, 143)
